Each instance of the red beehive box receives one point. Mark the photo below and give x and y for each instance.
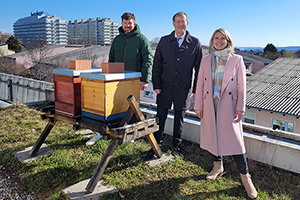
(67, 95)
(113, 67)
(80, 64)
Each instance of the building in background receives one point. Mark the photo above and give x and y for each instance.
(41, 25)
(100, 31)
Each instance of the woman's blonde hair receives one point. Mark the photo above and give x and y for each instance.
(227, 36)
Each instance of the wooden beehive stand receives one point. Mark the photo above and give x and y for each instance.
(118, 133)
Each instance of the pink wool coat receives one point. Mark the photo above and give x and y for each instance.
(226, 136)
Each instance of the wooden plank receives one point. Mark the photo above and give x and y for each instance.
(94, 125)
(117, 91)
(63, 78)
(135, 105)
(110, 77)
(64, 107)
(139, 115)
(136, 130)
(64, 92)
(106, 119)
(127, 117)
(147, 123)
(80, 64)
(41, 139)
(112, 67)
(76, 80)
(93, 99)
(67, 91)
(74, 73)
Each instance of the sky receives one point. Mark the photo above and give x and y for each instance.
(253, 23)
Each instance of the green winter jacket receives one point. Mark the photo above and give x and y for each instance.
(134, 50)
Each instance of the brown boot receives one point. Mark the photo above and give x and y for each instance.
(217, 170)
(247, 182)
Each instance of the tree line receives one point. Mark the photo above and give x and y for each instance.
(272, 53)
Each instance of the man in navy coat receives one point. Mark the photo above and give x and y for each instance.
(176, 56)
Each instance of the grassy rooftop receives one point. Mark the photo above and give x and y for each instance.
(72, 161)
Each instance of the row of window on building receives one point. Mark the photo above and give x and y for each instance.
(54, 30)
(276, 123)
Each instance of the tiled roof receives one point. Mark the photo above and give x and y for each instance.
(253, 57)
(276, 87)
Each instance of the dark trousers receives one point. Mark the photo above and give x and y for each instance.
(162, 114)
(240, 161)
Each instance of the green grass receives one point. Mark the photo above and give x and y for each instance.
(72, 161)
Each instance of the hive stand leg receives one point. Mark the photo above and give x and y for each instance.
(107, 155)
(139, 115)
(127, 117)
(102, 165)
(133, 109)
(41, 139)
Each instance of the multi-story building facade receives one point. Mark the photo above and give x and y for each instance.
(99, 31)
(52, 29)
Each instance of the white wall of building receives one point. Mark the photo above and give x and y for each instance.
(99, 31)
(41, 25)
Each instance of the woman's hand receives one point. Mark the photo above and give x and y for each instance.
(199, 113)
(238, 116)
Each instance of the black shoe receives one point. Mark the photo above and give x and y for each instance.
(180, 151)
(148, 155)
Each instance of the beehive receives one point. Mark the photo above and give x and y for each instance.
(104, 96)
(67, 90)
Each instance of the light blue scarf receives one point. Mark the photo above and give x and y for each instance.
(218, 63)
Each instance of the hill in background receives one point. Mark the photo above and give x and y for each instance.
(292, 49)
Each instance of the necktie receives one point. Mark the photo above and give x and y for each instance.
(178, 41)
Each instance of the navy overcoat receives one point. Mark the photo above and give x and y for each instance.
(172, 70)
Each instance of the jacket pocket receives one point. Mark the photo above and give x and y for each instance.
(234, 97)
(204, 95)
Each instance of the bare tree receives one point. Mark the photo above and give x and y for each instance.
(38, 52)
(154, 42)
(86, 55)
(8, 66)
(4, 37)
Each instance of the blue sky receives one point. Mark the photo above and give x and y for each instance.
(252, 23)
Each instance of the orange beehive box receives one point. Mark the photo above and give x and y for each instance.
(80, 64)
(113, 67)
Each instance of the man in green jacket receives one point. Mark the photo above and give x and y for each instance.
(133, 49)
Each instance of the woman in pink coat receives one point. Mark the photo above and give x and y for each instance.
(220, 104)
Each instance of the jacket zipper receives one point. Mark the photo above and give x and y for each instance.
(125, 49)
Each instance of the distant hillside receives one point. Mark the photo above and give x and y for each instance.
(292, 49)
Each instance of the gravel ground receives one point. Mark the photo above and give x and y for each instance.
(9, 189)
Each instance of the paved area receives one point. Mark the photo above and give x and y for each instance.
(24, 155)
(78, 192)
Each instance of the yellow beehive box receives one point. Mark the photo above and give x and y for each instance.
(104, 96)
